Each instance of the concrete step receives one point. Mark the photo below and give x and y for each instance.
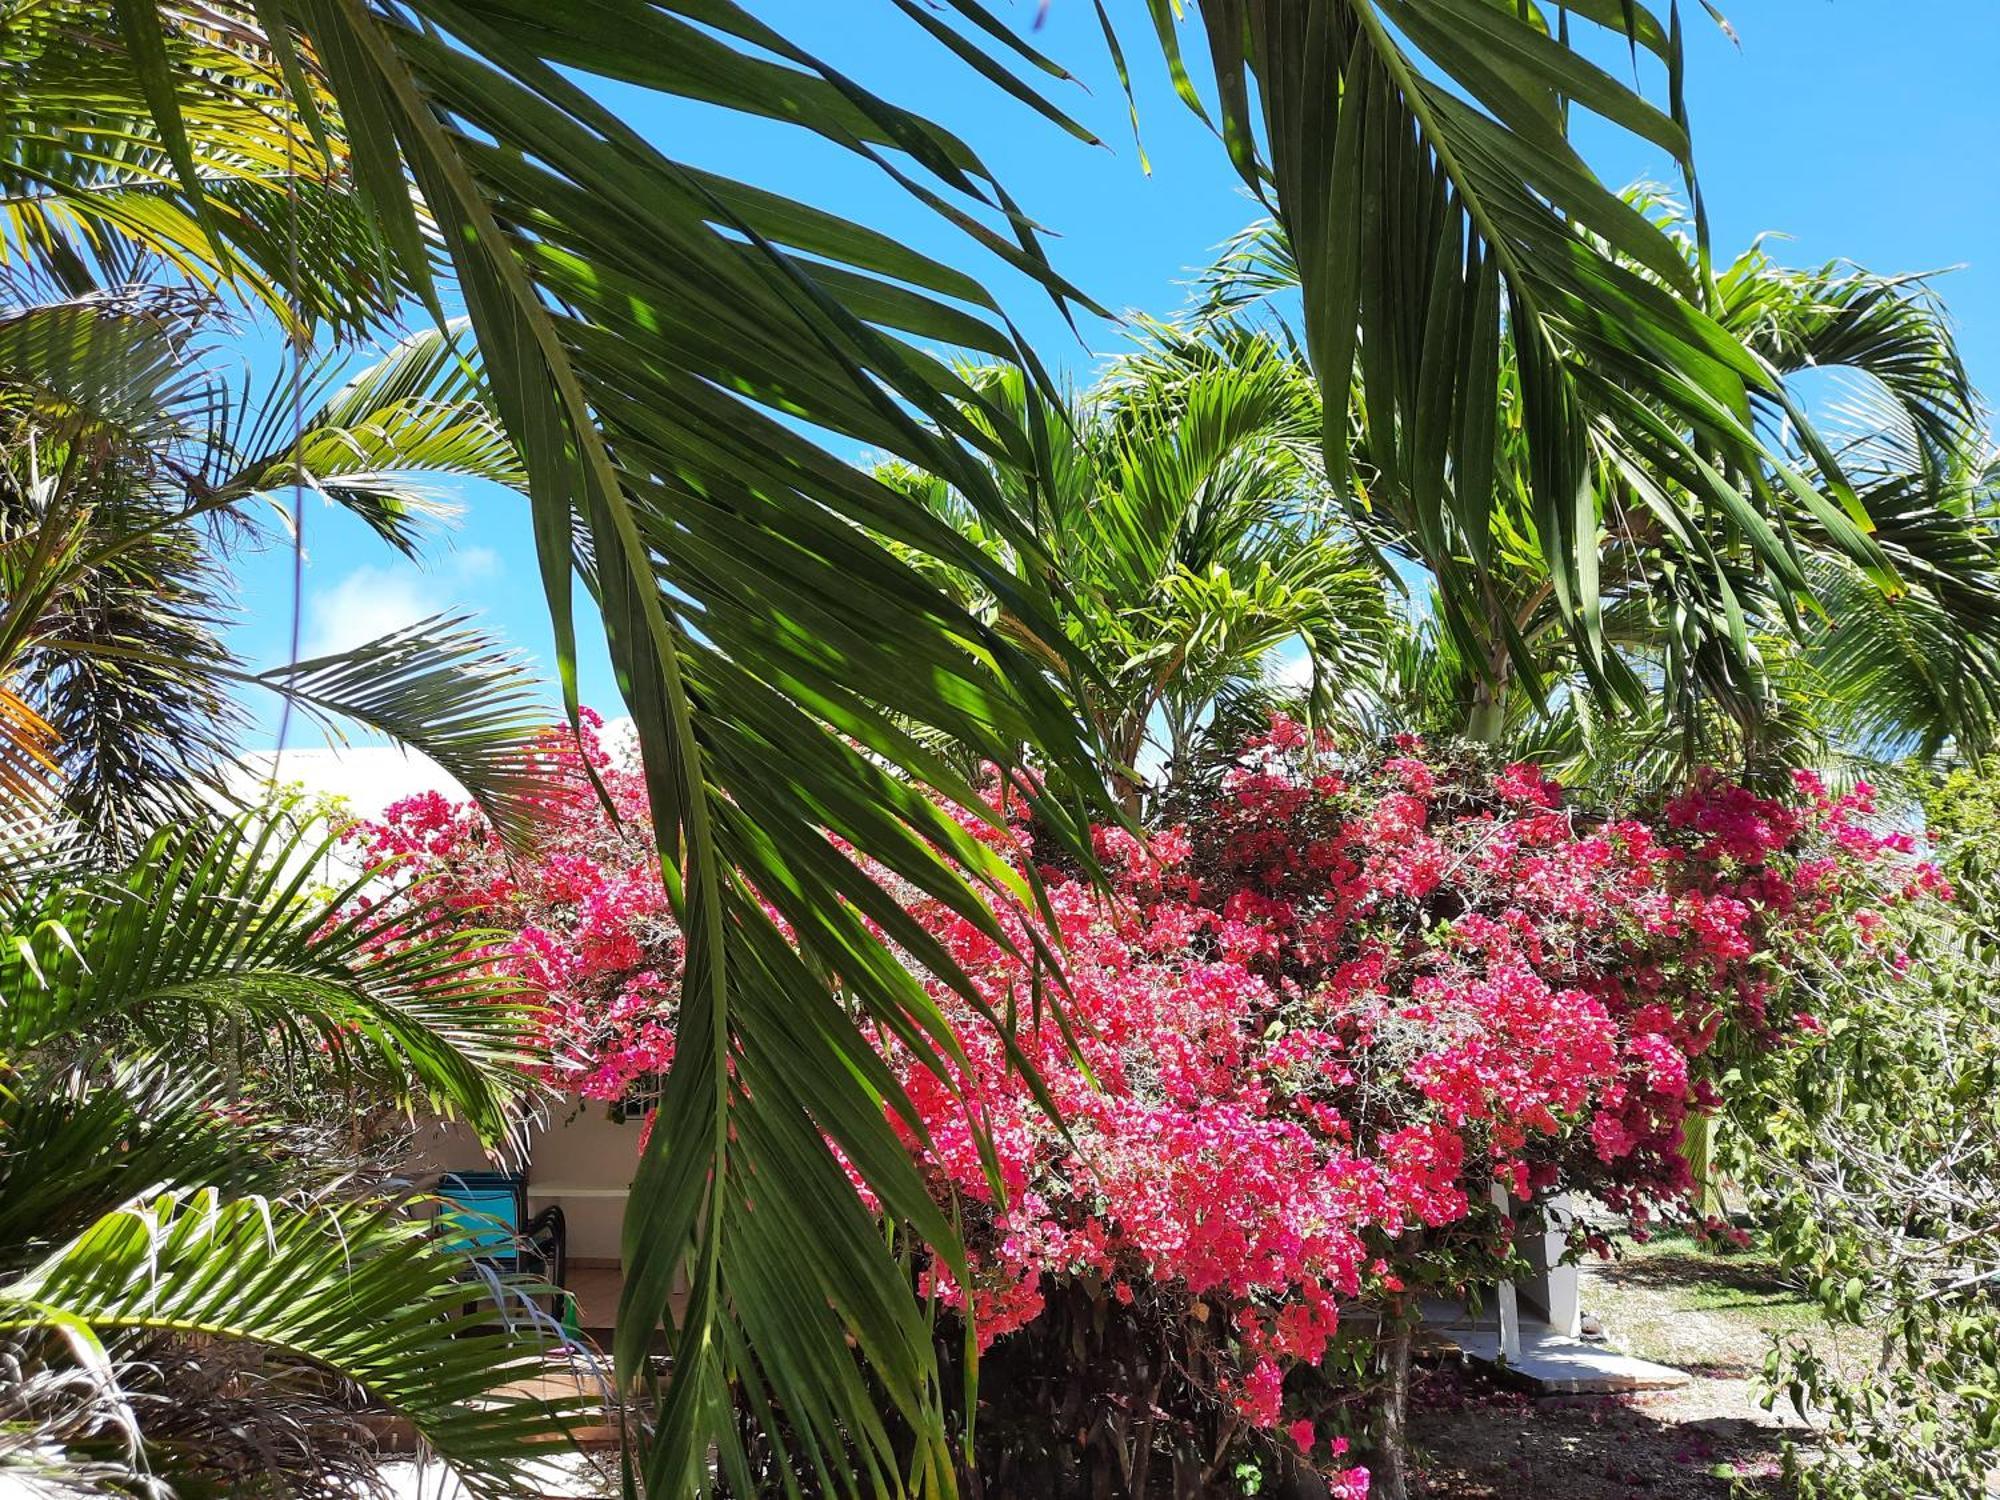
(1557, 1363)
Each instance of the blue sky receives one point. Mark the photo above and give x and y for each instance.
(1856, 138)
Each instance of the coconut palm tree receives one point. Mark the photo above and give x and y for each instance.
(191, 1297)
(187, 1297)
(666, 343)
(1191, 540)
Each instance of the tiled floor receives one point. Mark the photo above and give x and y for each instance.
(596, 1289)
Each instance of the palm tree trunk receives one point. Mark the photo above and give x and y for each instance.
(1124, 783)
(1487, 722)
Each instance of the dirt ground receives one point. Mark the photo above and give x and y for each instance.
(1477, 1439)
(1710, 1440)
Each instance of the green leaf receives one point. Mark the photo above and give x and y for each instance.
(224, 921)
(448, 692)
(363, 1294)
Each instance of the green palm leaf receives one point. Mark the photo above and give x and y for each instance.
(1416, 153)
(661, 340)
(182, 152)
(1688, 611)
(1891, 329)
(103, 369)
(445, 690)
(111, 630)
(1191, 538)
(157, 1325)
(81, 1142)
(362, 1295)
(643, 327)
(103, 413)
(231, 924)
(379, 444)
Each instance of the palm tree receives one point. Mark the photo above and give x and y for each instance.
(1457, 261)
(662, 339)
(1917, 674)
(1711, 643)
(88, 199)
(129, 469)
(1190, 539)
(187, 1297)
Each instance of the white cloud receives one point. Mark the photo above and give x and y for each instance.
(374, 599)
(1290, 667)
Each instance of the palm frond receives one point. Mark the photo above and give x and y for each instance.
(362, 1295)
(113, 634)
(1191, 539)
(222, 929)
(658, 341)
(239, 189)
(30, 778)
(110, 554)
(83, 1140)
(1906, 675)
(1893, 330)
(379, 445)
(101, 371)
(661, 340)
(1705, 617)
(1445, 231)
(448, 692)
(1250, 272)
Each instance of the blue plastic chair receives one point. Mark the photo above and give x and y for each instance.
(485, 1215)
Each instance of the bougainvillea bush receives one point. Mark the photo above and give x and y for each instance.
(583, 918)
(1337, 1030)
(1330, 1012)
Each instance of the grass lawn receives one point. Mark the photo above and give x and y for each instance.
(1673, 1301)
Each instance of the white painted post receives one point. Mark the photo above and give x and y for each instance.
(1505, 1299)
(1562, 1284)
